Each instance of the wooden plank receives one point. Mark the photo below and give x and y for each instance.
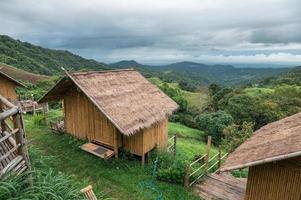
(93, 149)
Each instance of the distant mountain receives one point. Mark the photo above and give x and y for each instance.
(20, 74)
(221, 74)
(203, 74)
(126, 64)
(41, 60)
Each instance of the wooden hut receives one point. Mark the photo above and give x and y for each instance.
(8, 86)
(114, 109)
(273, 155)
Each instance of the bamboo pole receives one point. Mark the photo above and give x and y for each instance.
(208, 152)
(219, 158)
(175, 145)
(187, 175)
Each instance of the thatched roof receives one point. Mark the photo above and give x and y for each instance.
(276, 141)
(127, 99)
(11, 79)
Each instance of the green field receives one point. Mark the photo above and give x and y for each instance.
(122, 179)
(194, 99)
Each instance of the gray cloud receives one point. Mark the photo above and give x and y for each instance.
(160, 31)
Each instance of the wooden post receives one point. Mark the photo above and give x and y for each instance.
(20, 139)
(219, 155)
(219, 158)
(186, 177)
(116, 145)
(45, 111)
(208, 152)
(143, 159)
(175, 145)
(148, 157)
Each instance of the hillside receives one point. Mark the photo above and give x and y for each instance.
(40, 60)
(292, 77)
(20, 74)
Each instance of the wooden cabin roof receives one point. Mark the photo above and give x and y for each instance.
(10, 78)
(127, 99)
(276, 141)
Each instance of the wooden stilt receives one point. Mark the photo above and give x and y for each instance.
(143, 159)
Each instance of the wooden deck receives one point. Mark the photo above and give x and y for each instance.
(221, 187)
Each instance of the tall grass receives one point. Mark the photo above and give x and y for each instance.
(46, 185)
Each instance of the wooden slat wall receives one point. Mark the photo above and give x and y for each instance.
(85, 121)
(273, 181)
(158, 134)
(146, 140)
(7, 89)
(134, 144)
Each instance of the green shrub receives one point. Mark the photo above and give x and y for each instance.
(235, 135)
(214, 124)
(169, 168)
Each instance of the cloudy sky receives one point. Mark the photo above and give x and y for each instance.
(161, 31)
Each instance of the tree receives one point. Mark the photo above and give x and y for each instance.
(213, 89)
(214, 124)
(235, 135)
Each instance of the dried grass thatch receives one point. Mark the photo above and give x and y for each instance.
(127, 99)
(10, 78)
(275, 141)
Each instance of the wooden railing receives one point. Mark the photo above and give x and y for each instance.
(203, 165)
(172, 144)
(13, 154)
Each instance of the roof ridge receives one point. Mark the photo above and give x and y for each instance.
(102, 71)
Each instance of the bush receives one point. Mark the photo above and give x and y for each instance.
(235, 135)
(214, 124)
(169, 168)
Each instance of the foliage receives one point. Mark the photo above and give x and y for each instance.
(288, 98)
(260, 111)
(213, 89)
(214, 124)
(170, 169)
(36, 91)
(176, 95)
(292, 77)
(234, 135)
(187, 86)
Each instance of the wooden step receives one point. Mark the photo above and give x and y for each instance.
(98, 150)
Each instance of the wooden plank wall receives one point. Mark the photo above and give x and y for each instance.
(7, 89)
(156, 135)
(146, 140)
(273, 181)
(85, 121)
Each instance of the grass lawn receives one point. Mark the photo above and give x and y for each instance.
(122, 179)
(190, 142)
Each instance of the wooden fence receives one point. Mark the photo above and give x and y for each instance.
(13, 151)
(203, 165)
(172, 144)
